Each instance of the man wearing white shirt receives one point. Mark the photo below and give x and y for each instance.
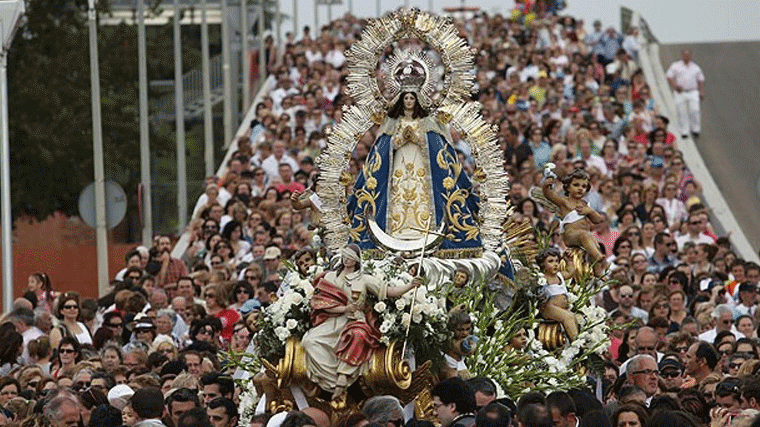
(746, 300)
(688, 82)
(723, 316)
(271, 164)
(695, 233)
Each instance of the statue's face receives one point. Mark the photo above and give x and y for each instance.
(460, 279)
(409, 101)
(349, 262)
(305, 261)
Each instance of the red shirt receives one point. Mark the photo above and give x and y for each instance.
(228, 317)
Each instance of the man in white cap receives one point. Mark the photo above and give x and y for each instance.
(272, 258)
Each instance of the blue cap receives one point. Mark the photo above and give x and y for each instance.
(657, 162)
(249, 306)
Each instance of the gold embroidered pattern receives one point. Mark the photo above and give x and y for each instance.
(410, 205)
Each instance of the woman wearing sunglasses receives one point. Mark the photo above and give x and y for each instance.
(68, 356)
(68, 313)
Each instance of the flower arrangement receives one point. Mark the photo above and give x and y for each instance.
(429, 333)
(289, 316)
(534, 367)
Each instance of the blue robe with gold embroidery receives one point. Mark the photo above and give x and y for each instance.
(454, 204)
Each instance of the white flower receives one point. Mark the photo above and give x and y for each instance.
(417, 310)
(385, 327)
(405, 319)
(316, 240)
(380, 307)
(400, 304)
(291, 324)
(293, 298)
(282, 333)
(417, 317)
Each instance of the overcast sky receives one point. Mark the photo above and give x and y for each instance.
(672, 21)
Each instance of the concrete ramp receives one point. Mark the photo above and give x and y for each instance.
(730, 140)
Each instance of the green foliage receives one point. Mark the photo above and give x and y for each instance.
(534, 368)
(50, 113)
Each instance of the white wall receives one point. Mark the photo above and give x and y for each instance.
(673, 21)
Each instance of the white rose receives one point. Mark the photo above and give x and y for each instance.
(380, 307)
(291, 324)
(417, 318)
(293, 298)
(400, 304)
(405, 319)
(385, 327)
(417, 310)
(282, 333)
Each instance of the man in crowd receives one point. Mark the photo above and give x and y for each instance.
(222, 412)
(216, 385)
(179, 402)
(454, 403)
(562, 409)
(171, 268)
(384, 410)
(723, 319)
(661, 258)
(626, 307)
(643, 373)
(701, 359)
(671, 373)
(688, 82)
(147, 404)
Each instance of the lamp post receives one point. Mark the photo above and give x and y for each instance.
(101, 236)
(10, 17)
(142, 70)
(179, 113)
(208, 123)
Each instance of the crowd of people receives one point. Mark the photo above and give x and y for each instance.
(685, 350)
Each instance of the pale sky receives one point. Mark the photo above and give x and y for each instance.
(672, 21)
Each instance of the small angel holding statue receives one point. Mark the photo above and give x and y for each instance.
(555, 305)
(575, 214)
(344, 335)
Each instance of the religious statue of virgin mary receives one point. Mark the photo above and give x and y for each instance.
(412, 179)
(412, 194)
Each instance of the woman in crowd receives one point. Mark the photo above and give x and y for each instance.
(9, 388)
(704, 255)
(242, 292)
(259, 183)
(208, 249)
(216, 306)
(675, 211)
(620, 249)
(233, 232)
(648, 202)
(630, 415)
(529, 209)
(68, 355)
(676, 301)
(223, 249)
(68, 312)
(639, 264)
(40, 352)
(111, 356)
(660, 307)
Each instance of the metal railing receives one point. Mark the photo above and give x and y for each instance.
(184, 4)
(192, 83)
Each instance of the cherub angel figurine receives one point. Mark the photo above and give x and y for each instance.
(555, 305)
(576, 215)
